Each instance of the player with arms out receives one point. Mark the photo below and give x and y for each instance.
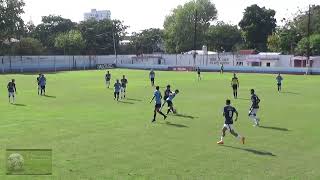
(279, 82)
(124, 83)
(170, 103)
(254, 108)
(152, 75)
(117, 88)
(235, 85)
(157, 96)
(199, 73)
(108, 79)
(228, 112)
(12, 90)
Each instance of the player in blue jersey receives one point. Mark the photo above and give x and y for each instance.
(279, 82)
(42, 83)
(169, 101)
(12, 90)
(157, 96)
(228, 112)
(117, 88)
(254, 108)
(152, 75)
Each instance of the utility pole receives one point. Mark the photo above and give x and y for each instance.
(195, 38)
(308, 42)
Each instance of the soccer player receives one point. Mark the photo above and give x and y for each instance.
(124, 83)
(199, 73)
(169, 101)
(221, 69)
(42, 83)
(254, 108)
(235, 84)
(157, 96)
(152, 75)
(279, 82)
(228, 112)
(12, 90)
(167, 92)
(38, 82)
(108, 78)
(117, 88)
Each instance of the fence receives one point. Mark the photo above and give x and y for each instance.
(232, 62)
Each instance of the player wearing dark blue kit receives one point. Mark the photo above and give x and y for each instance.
(199, 73)
(38, 82)
(152, 75)
(157, 96)
(254, 108)
(228, 112)
(117, 88)
(167, 93)
(12, 90)
(42, 84)
(124, 83)
(108, 79)
(279, 82)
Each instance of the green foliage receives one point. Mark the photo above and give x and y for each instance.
(28, 46)
(179, 26)
(50, 27)
(148, 41)
(274, 43)
(71, 42)
(11, 23)
(302, 46)
(223, 37)
(257, 24)
(99, 35)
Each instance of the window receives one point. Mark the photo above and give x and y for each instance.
(255, 64)
(268, 64)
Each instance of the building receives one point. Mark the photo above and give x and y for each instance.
(97, 15)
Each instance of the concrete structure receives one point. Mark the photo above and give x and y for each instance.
(97, 15)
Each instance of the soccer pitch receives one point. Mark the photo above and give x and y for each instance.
(94, 137)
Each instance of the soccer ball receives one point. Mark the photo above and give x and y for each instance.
(175, 111)
(15, 162)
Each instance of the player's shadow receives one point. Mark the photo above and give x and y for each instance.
(274, 128)
(132, 99)
(19, 105)
(185, 116)
(288, 92)
(176, 125)
(48, 96)
(125, 102)
(257, 152)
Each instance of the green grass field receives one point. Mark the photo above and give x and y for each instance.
(94, 137)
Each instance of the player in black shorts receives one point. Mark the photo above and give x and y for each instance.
(166, 93)
(228, 112)
(235, 85)
(199, 73)
(38, 82)
(12, 90)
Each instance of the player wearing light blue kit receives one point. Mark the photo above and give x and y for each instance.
(279, 82)
(169, 101)
(157, 97)
(117, 88)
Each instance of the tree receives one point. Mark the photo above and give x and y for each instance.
(148, 41)
(50, 27)
(28, 46)
(11, 23)
(274, 43)
(179, 26)
(72, 42)
(101, 36)
(223, 37)
(257, 24)
(314, 45)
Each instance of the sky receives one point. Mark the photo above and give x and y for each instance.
(144, 14)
